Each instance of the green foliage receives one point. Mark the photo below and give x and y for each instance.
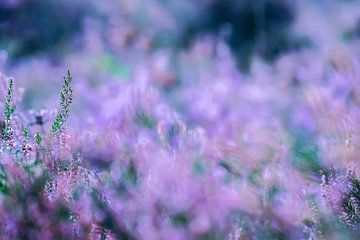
(144, 119)
(112, 65)
(130, 175)
(3, 181)
(26, 133)
(180, 219)
(199, 167)
(38, 138)
(305, 151)
(66, 96)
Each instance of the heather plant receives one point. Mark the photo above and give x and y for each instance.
(37, 201)
(165, 143)
(343, 196)
(146, 168)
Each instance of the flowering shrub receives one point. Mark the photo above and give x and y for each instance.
(151, 141)
(144, 170)
(343, 195)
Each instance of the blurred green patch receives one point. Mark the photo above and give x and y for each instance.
(180, 219)
(130, 175)
(3, 187)
(33, 166)
(62, 213)
(3, 181)
(113, 66)
(273, 191)
(199, 167)
(305, 151)
(255, 175)
(144, 119)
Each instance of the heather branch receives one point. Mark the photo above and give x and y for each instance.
(65, 102)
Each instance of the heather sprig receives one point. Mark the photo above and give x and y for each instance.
(26, 148)
(66, 97)
(26, 133)
(8, 111)
(38, 138)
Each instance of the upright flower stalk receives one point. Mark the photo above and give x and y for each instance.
(66, 98)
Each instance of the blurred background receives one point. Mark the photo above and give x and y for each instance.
(271, 85)
(105, 40)
(123, 34)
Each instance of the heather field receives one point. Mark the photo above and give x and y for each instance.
(180, 119)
